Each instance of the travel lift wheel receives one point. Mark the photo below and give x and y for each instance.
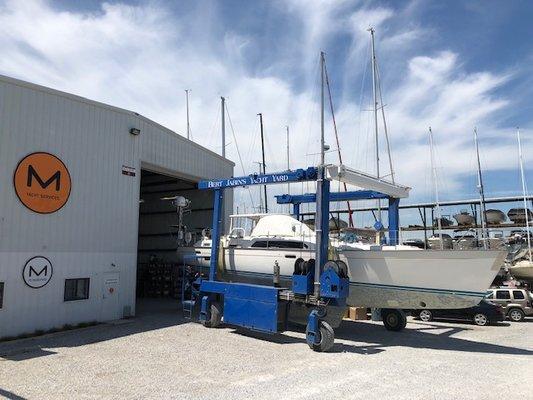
(326, 339)
(215, 316)
(394, 320)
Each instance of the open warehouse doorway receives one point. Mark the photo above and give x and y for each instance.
(172, 215)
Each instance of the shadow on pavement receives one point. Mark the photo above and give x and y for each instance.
(152, 314)
(10, 395)
(357, 337)
(378, 339)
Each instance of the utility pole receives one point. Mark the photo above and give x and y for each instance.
(188, 123)
(263, 152)
(223, 118)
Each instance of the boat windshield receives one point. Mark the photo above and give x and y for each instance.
(242, 225)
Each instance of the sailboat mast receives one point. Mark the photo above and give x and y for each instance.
(484, 233)
(223, 124)
(263, 153)
(350, 213)
(385, 129)
(288, 159)
(188, 123)
(435, 186)
(522, 176)
(375, 109)
(322, 143)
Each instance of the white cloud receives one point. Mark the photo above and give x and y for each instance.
(143, 57)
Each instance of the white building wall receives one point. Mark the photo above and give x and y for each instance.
(95, 234)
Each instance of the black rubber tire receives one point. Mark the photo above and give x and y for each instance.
(343, 269)
(216, 316)
(393, 320)
(518, 312)
(298, 266)
(428, 315)
(481, 319)
(327, 338)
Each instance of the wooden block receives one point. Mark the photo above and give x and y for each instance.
(360, 313)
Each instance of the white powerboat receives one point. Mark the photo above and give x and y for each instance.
(380, 276)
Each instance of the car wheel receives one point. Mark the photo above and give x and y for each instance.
(393, 320)
(481, 319)
(516, 315)
(425, 315)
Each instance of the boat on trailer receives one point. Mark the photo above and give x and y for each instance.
(399, 276)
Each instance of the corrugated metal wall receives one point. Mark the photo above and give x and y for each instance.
(95, 233)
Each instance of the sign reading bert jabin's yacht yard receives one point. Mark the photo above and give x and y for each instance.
(42, 182)
(37, 272)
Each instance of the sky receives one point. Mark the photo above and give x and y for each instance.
(449, 65)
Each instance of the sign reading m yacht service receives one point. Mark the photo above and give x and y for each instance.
(37, 272)
(42, 182)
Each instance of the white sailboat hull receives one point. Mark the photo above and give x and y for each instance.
(382, 279)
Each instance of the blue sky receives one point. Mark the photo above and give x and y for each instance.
(452, 65)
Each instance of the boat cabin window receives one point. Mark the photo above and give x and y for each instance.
(279, 244)
(518, 295)
(503, 294)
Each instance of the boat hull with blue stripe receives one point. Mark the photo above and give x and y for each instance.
(384, 278)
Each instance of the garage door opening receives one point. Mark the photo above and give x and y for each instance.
(172, 215)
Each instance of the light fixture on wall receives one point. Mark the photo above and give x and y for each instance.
(135, 131)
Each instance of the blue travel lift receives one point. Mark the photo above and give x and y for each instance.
(393, 319)
(319, 289)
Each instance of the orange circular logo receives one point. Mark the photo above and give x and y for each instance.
(42, 182)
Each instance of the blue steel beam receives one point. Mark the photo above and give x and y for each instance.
(394, 221)
(393, 210)
(215, 233)
(299, 175)
(334, 196)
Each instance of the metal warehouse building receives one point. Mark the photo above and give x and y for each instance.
(84, 201)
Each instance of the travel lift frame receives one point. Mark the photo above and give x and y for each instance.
(393, 319)
(316, 286)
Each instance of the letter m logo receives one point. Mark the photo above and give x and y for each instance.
(45, 270)
(33, 174)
